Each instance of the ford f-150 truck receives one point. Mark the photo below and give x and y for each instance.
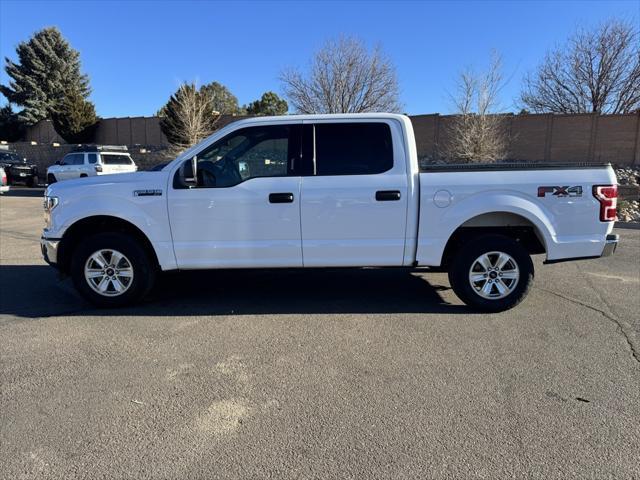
(327, 191)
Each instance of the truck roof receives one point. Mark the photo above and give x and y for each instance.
(325, 116)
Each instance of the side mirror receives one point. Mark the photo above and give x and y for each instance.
(191, 173)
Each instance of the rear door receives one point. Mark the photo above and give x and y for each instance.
(354, 206)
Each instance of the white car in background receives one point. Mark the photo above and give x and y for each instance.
(90, 161)
(3, 181)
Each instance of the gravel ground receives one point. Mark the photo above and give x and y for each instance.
(335, 374)
(628, 210)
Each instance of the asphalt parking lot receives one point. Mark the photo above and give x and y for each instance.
(323, 374)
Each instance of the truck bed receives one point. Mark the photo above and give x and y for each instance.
(483, 167)
(514, 194)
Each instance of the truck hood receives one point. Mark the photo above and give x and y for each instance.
(116, 182)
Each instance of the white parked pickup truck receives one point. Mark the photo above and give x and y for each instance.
(327, 191)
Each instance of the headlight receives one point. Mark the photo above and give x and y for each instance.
(50, 203)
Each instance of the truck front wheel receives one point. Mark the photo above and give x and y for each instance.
(112, 270)
(491, 273)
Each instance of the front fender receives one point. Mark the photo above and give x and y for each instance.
(148, 214)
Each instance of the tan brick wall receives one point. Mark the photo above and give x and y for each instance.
(551, 138)
(570, 138)
(529, 136)
(616, 138)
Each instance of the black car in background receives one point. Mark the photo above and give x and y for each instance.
(17, 169)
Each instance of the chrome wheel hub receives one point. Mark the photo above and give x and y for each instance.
(108, 272)
(494, 275)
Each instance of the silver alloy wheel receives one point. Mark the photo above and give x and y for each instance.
(108, 272)
(494, 275)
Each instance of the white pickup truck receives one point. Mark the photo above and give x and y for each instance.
(326, 191)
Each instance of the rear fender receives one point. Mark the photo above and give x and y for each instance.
(437, 225)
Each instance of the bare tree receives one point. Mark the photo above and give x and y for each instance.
(189, 116)
(597, 71)
(344, 77)
(477, 133)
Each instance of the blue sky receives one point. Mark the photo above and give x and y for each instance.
(137, 52)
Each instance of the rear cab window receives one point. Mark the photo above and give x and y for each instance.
(353, 148)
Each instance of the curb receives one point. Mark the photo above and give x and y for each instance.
(628, 225)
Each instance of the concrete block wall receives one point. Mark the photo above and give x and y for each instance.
(549, 138)
(546, 137)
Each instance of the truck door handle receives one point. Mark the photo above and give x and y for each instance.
(281, 198)
(387, 195)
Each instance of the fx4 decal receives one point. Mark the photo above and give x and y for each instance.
(561, 191)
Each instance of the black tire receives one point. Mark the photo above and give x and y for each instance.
(31, 182)
(51, 178)
(144, 268)
(464, 260)
(83, 175)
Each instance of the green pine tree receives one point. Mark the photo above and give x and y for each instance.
(222, 100)
(11, 129)
(269, 104)
(75, 118)
(47, 67)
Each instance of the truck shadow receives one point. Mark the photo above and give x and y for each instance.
(19, 191)
(33, 291)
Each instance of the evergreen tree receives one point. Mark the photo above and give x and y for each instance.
(47, 66)
(269, 104)
(222, 100)
(75, 118)
(11, 129)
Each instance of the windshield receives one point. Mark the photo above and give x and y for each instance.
(9, 157)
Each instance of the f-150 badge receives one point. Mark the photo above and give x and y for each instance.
(147, 193)
(560, 191)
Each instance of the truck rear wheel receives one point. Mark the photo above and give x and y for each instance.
(112, 270)
(491, 273)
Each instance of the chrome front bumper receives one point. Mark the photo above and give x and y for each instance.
(610, 245)
(49, 247)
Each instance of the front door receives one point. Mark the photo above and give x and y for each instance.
(354, 208)
(245, 210)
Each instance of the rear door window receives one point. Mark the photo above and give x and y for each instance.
(353, 148)
(115, 159)
(92, 157)
(74, 159)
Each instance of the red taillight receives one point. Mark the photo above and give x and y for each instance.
(607, 195)
(4, 180)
